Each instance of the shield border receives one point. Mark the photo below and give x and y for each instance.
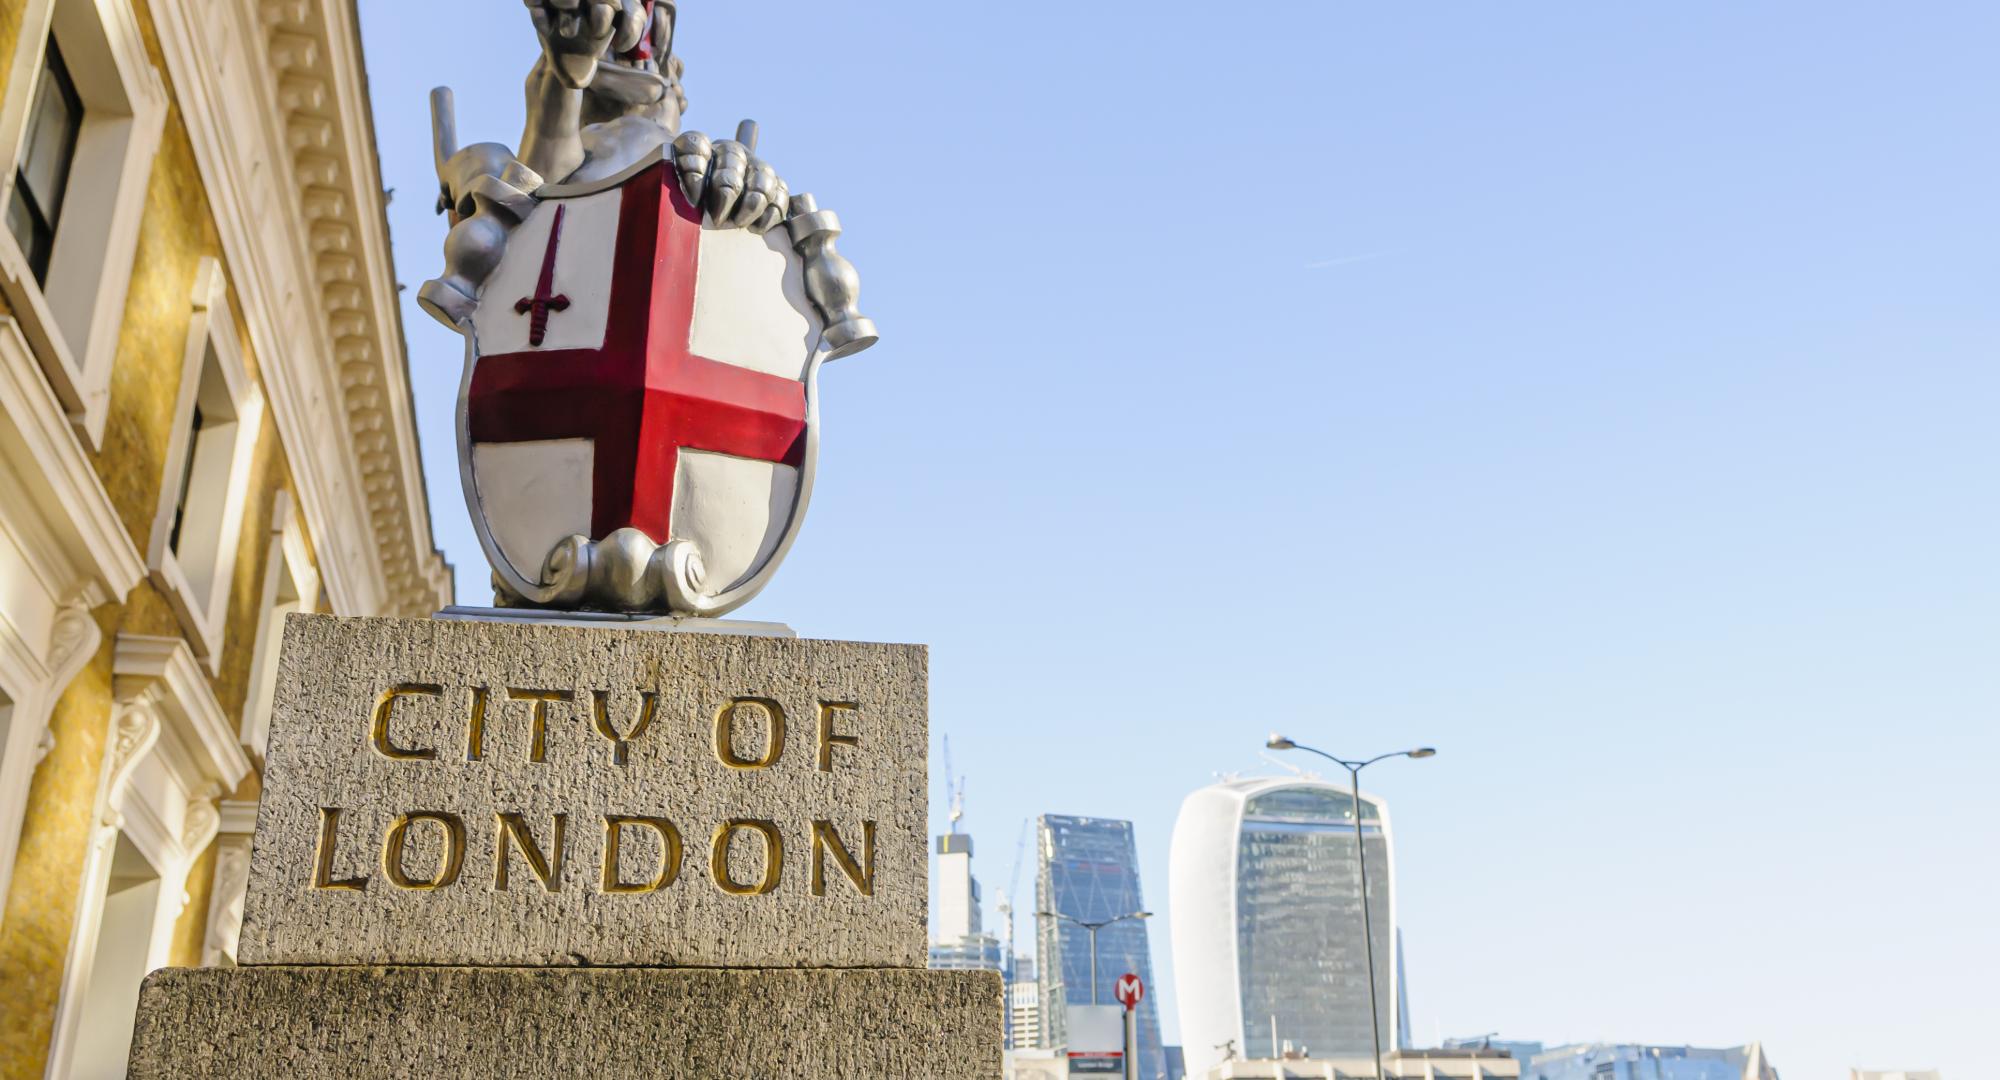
(679, 596)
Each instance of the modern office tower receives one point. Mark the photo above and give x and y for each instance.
(1628, 1061)
(1088, 869)
(958, 890)
(1024, 1006)
(1267, 938)
(960, 944)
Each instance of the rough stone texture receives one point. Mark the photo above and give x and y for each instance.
(606, 1024)
(334, 673)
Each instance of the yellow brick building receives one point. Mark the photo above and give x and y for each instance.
(205, 424)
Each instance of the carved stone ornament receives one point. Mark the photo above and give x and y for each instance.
(645, 314)
(135, 726)
(225, 913)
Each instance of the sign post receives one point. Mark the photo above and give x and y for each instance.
(1130, 990)
(1094, 1046)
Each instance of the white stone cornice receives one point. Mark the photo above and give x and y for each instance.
(164, 671)
(276, 105)
(36, 438)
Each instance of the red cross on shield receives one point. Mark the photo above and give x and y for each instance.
(631, 367)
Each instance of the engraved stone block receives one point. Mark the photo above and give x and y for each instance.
(468, 793)
(308, 1023)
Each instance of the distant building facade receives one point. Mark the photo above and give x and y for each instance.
(1894, 1074)
(1267, 936)
(1088, 869)
(1404, 1064)
(1024, 1005)
(1631, 1061)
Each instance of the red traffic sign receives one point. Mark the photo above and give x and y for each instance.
(1129, 990)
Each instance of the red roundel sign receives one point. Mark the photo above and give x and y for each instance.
(1129, 990)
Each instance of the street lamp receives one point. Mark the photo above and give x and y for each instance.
(1280, 742)
(1093, 927)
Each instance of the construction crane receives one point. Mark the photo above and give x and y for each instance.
(1006, 904)
(954, 790)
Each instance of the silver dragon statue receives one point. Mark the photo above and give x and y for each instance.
(605, 94)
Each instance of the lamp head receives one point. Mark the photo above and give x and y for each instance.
(1424, 752)
(1279, 742)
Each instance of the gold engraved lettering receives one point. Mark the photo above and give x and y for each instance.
(670, 854)
(825, 839)
(448, 866)
(725, 722)
(827, 738)
(514, 827)
(538, 750)
(329, 823)
(774, 857)
(378, 730)
(475, 728)
(601, 713)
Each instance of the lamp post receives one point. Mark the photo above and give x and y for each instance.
(1093, 927)
(1280, 742)
(1131, 1041)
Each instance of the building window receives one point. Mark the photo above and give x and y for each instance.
(129, 923)
(291, 586)
(200, 515)
(80, 119)
(42, 176)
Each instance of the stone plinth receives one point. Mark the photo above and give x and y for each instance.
(309, 1023)
(477, 793)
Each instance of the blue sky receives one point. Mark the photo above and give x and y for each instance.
(1601, 393)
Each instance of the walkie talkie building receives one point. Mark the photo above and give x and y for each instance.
(1267, 921)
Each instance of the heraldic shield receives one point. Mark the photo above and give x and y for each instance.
(638, 416)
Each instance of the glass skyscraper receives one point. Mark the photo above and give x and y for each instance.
(1267, 920)
(1089, 870)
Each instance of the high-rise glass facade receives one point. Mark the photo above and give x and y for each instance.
(1089, 870)
(1267, 923)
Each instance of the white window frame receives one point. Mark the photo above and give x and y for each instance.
(64, 551)
(291, 586)
(72, 323)
(198, 587)
(169, 755)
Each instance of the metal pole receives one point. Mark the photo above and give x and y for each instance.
(1093, 962)
(1131, 1044)
(1367, 923)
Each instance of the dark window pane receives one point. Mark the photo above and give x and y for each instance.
(47, 151)
(187, 481)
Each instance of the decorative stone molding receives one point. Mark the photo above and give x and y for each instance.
(161, 673)
(171, 751)
(232, 878)
(135, 727)
(277, 109)
(65, 551)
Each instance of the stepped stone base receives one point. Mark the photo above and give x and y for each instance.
(601, 1023)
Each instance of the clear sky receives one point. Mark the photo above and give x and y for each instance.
(1603, 393)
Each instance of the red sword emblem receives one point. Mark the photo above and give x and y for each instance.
(544, 301)
(643, 396)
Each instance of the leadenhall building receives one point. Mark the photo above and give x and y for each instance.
(205, 424)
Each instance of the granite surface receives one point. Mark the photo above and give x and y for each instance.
(421, 773)
(606, 1024)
